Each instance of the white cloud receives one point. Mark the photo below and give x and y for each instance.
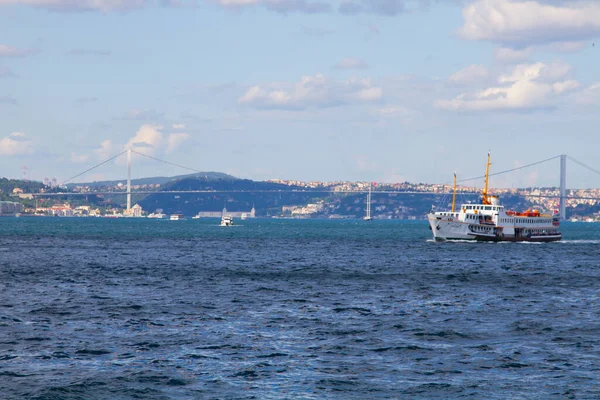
(147, 140)
(150, 140)
(178, 126)
(351, 63)
(79, 158)
(472, 74)
(537, 71)
(280, 6)
(517, 23)
(17, 143)
(526, 87)
(9, 51)
(175, 140)
(105, 150)
(80, 5)
(311, 91)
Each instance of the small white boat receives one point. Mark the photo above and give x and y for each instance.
(177, 217)
(157, 215)
(226, 220)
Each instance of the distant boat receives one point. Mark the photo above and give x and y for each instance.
(368, 216)
(244, 216)
(158, 215)
(226, 220)
(177, 217)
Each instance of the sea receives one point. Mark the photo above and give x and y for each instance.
(94, 308)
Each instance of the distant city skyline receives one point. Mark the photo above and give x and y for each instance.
(348, 90)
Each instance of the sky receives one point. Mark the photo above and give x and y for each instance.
(326, 90)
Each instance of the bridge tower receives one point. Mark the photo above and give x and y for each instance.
(563, 186)
(128, 179)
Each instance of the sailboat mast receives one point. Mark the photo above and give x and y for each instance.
(485, 199)
(369, 202)
(454, 193)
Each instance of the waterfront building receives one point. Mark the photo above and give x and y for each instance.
(10, 208)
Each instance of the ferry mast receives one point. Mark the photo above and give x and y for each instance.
(485, 199)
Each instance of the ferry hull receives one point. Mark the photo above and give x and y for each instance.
(445, 229)
(534, 239)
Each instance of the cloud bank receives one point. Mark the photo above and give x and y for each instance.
(150, 140)
(17, 143)
(80, 5)
(521, 23)
(526, 87)
(315, 91)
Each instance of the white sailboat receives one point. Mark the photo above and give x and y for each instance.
(368, 216)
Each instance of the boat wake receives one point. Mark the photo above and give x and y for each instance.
(581, 241)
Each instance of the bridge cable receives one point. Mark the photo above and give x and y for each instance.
(511, 170)
(584, 165)
(94, 167)
(166, 162)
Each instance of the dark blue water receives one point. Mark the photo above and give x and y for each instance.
(150, 309)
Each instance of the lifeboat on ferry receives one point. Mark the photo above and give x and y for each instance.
(531, 213)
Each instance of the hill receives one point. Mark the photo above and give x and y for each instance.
(242, 200)
(161, 180)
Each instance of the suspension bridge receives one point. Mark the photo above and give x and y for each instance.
(562, 195)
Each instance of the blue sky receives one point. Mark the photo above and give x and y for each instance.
(387, 90)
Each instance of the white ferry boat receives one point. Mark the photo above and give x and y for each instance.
(489, 221)
(226, 220)
(157, 214)
(177, 217)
